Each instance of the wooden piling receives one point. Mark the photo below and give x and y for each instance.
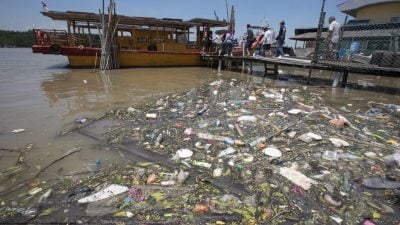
(108, 37)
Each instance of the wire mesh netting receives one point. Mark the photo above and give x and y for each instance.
(362, 45)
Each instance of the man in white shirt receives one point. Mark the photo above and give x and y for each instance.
(333, 35)
(267, 42)
(333, 39)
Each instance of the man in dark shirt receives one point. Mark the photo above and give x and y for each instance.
(249, 39)
(280, 39)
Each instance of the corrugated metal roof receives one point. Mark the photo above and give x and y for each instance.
(349, 34)
(350, 7)
(128, 20)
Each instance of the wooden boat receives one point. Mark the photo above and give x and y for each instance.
(141, 41)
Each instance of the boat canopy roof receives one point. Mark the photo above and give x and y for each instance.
(129, 20)
(384, 33)
(350, 7)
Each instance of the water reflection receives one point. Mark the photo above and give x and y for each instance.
(86, 90)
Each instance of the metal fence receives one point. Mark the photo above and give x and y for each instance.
(369, 44)
(362, 44)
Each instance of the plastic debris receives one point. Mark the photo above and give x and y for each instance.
(136, 193)
(247, 118)
(151, 116)
(339, 143)
(35, 191)
(44, 197)
(272, 151)
(225, 152)
(296, 177)
(202, 164)
(152, 178)
(182, 176)
(294, 111)
(168, 183)
(330, 155)
(81, 120)
(338, 220)
(308, 137)
(111, 190)
(200, 208)
(217, 172)
(184, 153)
(18, 130)
(380, 183)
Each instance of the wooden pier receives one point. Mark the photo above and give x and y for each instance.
(272, 64)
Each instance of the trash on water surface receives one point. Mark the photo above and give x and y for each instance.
(81, 120)
(380, 183)
(151, 115)
(330, 155)
(272, 151)
(294, 111)
(184, 153)
(109, 191)
(225, 152)
(202, 164)
(339, 143)
(237, 150)
(297, 177)
(18, 130)
(248, 118)
(308, 137)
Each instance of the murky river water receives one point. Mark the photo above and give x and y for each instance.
(40, 94)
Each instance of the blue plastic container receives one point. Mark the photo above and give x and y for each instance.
(355, 47)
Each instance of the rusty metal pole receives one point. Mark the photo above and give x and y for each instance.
(319, 32)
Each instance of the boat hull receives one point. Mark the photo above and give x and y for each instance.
(90, 57)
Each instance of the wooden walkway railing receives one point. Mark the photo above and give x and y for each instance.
(344, 67)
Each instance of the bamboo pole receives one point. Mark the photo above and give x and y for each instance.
(109, 50)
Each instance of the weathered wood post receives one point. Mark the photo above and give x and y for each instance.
(318, 39)
(109, 48)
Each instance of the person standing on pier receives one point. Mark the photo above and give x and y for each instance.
(333, 37)
(280, 39)
(333, 43)
(267, 42)
(218, 44)
(228, 43)
(249, 39)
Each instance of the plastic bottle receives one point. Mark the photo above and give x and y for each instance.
(330, 155)
(218, 123)
(257, 141)
(203, 110)
(159, 140)
(346, 184)
(229, 141)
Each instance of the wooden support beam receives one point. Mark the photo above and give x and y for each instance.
(344, 78)
(309, 76)
(265, 69)
(276, 69)
(219, 66)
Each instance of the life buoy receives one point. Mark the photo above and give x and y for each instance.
(258, 39)
(55, 49)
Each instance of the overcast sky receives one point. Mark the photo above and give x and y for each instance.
(25, 14)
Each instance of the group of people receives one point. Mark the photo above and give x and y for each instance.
(223, 44)
(268, 38)
(220, 44)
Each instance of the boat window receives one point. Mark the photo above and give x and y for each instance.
(126, 34)
(395, 19)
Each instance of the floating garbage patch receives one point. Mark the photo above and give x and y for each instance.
(297, 160)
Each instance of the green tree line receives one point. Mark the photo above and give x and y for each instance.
(16, 38)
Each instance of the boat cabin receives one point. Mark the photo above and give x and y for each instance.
(133, 33)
